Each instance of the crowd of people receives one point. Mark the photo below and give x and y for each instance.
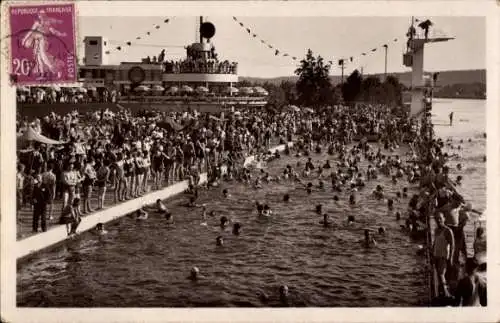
(51, 95)
(201, 66)
(133, 154)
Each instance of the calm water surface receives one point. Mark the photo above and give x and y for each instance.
(145, 264)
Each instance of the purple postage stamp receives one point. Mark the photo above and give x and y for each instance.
(43, 44)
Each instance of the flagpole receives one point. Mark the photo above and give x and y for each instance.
(385, 67)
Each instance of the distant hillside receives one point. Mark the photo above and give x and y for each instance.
(446, 78)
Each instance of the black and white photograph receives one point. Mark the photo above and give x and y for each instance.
(223, 159)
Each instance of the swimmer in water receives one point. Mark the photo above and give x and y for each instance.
(326, 221)
(219, 241)
(160, 206)
(350, 220)
(225, 193)
(266, 211)
(398, 216)
(335, 198)
(236, 228)
(195, 274)
(378, 192)
(192, 202)
(459, 166)
(284, 294)
(369, 241)
(99, 229)
(319, 209)
(257, 184)
(141, 215)
(405, 192)
(381, 230)
(459, 180)
(223, 222)
(352, 199)
(286, 198)
(169, 217)
(390, 204)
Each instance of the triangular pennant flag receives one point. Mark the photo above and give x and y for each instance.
(284, 55)
(166, 21)
(119, 48)
(294, 58)
(254, 35)
(385, 45)
(364, 54)
(374, 50)
(270, 46)
(148, 33)
(138, 38)
(241, 24)
(330, 62)
(129, 43)
(157, 27)
(395, 39)
(263, 41)
(235, 19)
(276, 53)
(248, 30)
(106, 52)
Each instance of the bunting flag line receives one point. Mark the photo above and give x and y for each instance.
(262, 41)
(278, 52)
(129, 43)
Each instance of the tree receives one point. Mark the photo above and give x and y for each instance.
(313, 87)
(352, 87)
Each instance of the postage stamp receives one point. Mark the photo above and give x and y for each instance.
(43, 44)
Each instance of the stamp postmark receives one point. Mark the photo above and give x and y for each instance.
(43, 44)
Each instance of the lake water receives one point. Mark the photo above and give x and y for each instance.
(146, 264)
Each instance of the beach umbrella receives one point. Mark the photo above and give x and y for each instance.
(141, 88)
(186, 88)
(55, 88)
(231, 89)
(246, 90)
(173, 89)
(158, 88)
(202, 89)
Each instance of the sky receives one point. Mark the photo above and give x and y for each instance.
(330, 37)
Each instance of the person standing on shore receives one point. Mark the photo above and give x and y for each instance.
(41, 198)
(451, 118)
(442, 251)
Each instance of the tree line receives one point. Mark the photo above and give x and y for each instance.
(315, 89)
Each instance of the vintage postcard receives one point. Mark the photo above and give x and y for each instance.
(249, 161)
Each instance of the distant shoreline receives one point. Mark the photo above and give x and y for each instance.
(459, 97)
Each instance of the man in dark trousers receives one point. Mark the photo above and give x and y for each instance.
(41, 199)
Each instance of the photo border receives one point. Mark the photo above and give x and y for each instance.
(488, 9)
